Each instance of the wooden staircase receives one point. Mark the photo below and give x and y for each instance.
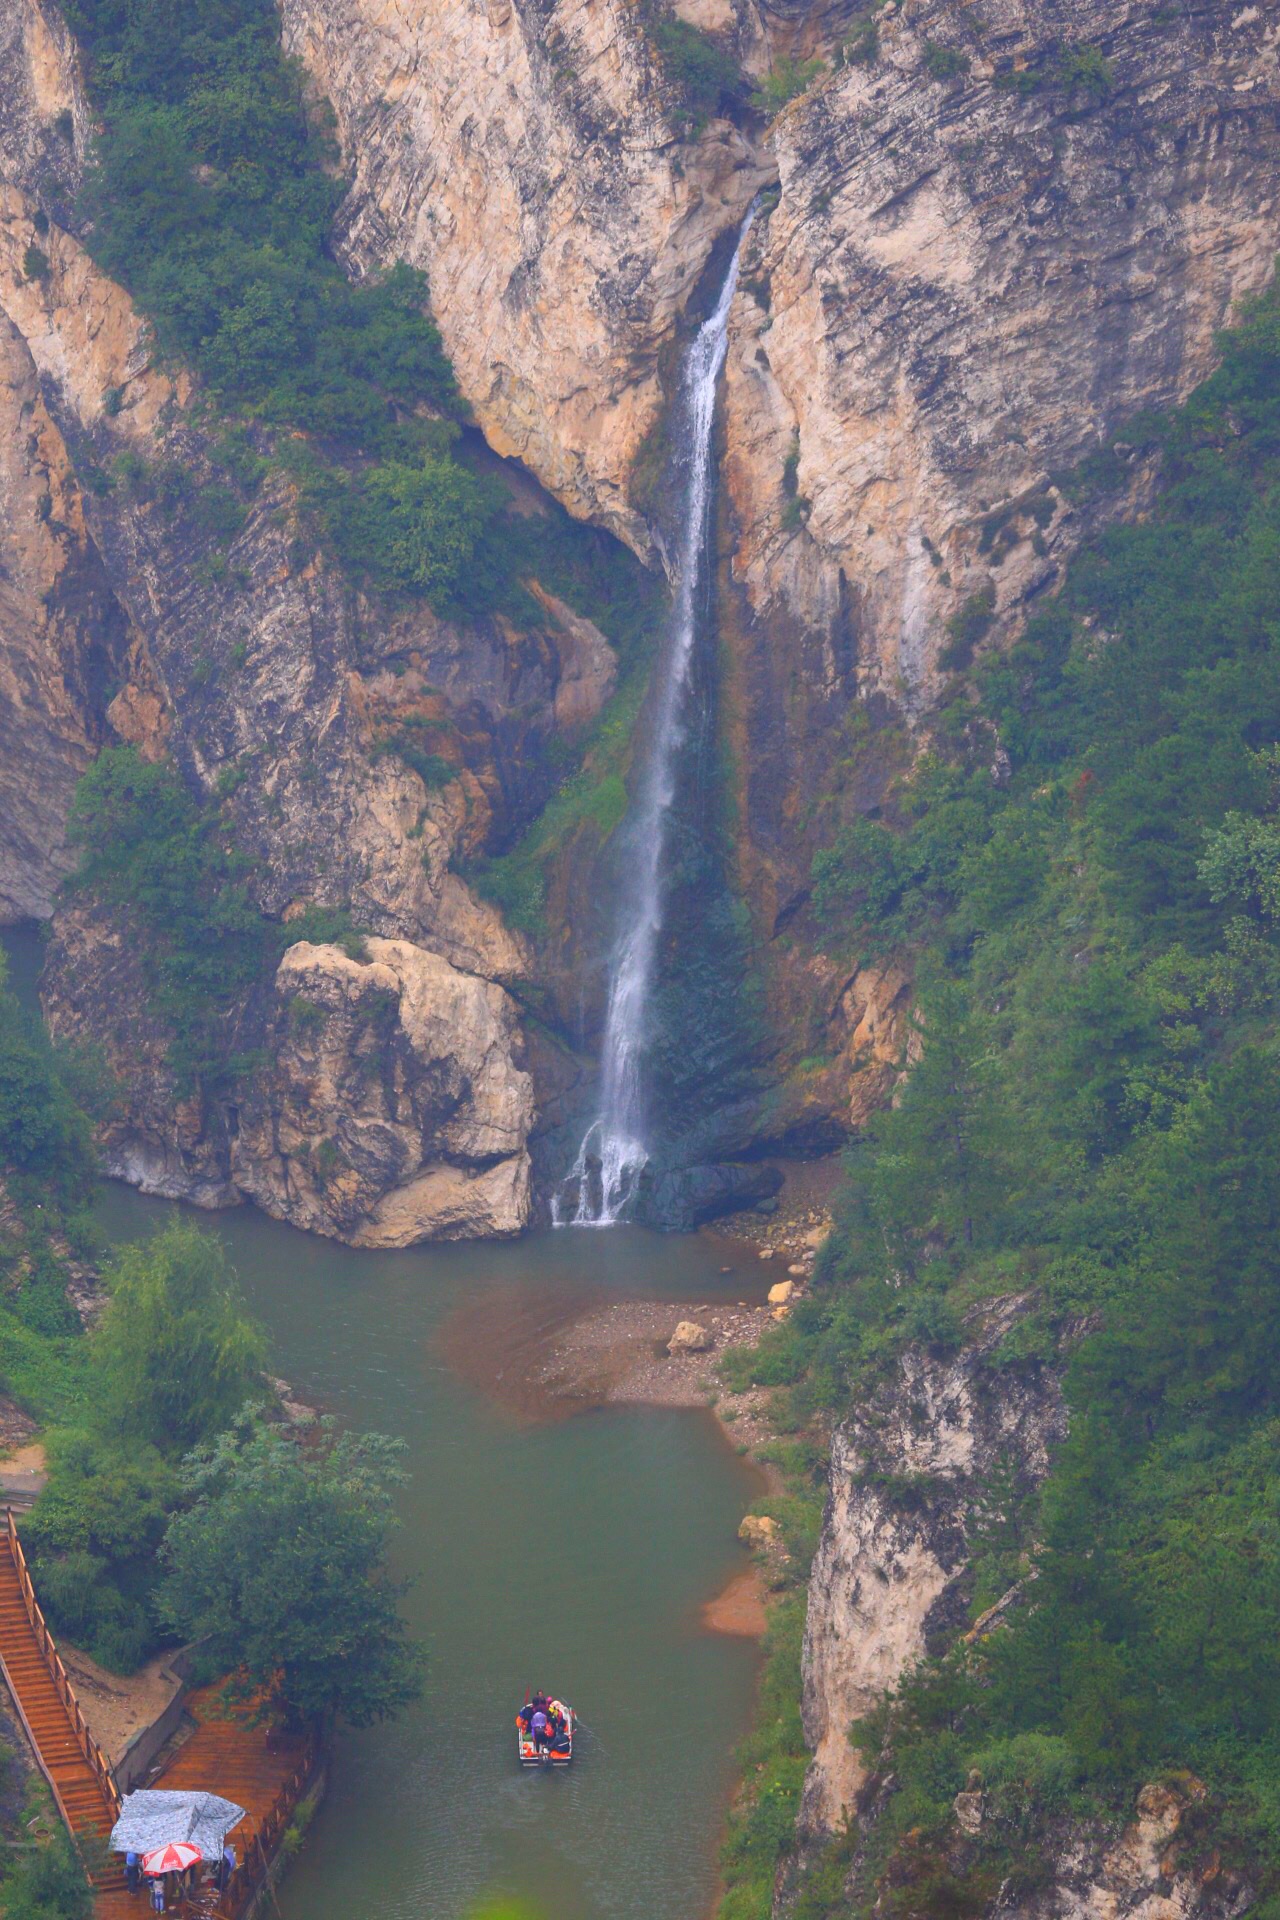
(70, 1759)
(267, 1774)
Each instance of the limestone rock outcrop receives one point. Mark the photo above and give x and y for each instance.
(527, 157)
(396, 1108)
(907, 1476)
(391, 1103)
(970, 282)
(1154, 1869)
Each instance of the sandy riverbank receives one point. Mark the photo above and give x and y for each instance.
(548, 1359)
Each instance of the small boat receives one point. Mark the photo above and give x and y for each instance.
(558, 1753)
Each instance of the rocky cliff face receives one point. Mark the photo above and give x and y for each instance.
(934, 1455)
(528, 157)
(974, 278)
(969, 284)
(984, 253)
(60, 631)
(127, 613)
(1153, 1867)
(395, 1109)
(909, 1476)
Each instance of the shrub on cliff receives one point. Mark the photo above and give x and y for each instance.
(786, 80)
(706, 74)
(416, 528)
(147, 849)
(43, 1132)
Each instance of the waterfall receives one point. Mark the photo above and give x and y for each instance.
(616, 1137)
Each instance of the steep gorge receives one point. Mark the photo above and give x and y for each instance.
(979, 259)
(956, 291)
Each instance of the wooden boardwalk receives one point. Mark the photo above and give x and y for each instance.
(229, 1756)
(265, 1773)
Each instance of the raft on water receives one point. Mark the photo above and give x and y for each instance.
(556, 1751)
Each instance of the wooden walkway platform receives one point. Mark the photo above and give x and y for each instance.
(265, 1772)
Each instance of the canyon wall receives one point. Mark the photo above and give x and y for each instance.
(971, 282)
(910, 1473)
(528, 157)
(942, 1452)
(128, 614)
(985, 253)
(977, 256)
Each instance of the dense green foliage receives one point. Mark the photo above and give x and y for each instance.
(149, 850)
(707, 75)
(172, 1361)
(278, 1566)
(1094, 1118)
(47, 1167)
(174, 1356)
(47, 1883)
(44, 1133)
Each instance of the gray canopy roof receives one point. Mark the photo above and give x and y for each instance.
(154, 1817)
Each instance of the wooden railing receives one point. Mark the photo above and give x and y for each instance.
(254, 1871)
(89, 1747)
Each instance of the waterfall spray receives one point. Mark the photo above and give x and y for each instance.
(616, 1137)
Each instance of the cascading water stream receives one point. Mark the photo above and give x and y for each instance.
(602, 1182)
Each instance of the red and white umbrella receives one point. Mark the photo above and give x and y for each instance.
(175, 1858)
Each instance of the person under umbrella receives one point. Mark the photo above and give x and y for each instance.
(163, 1861)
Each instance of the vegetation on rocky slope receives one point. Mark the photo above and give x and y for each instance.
(1084, 864)
(156, 1441)
(211, 196)
(148, 850)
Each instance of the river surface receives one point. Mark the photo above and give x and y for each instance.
(574, 1553)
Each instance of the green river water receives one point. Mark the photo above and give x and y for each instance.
(574, 1553)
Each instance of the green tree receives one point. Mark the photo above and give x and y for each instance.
(42, 1129)
(942, 1160)
(47, 1884)
(415, 528)
(175, 1356)
(279, 1565)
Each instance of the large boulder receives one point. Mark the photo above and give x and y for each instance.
(396, 1108)
(689, 1337)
